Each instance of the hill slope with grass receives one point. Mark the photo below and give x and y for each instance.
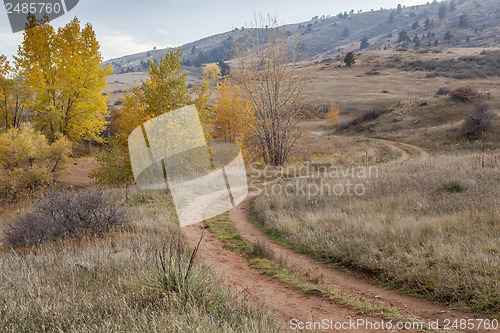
(469, 23)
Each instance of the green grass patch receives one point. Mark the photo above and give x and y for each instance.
(221, 228)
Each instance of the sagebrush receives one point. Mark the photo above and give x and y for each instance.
(64, 214)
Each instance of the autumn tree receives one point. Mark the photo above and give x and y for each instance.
(273, 87)
(15, 97)
(165, 90)
(28, 161)
(233, 117)
(212, 71)
(333, 117)
(63, 70)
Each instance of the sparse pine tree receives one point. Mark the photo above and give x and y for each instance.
(346, 32)
(462, 22)
(350, 59)
(392, 15)
(427, 23)
(416, 40)
(443, 9)
(403, 36)
(364, 43)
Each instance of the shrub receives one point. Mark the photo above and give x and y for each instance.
(465, 94)
(452, 186)
(373, 72)
(443, 91)
(66, 214)
(361, 116)
(478, 120)
(28, 162)
(114, 166)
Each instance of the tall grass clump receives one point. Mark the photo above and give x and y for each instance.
(185, 280)
(64, 214)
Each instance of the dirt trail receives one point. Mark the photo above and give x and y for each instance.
(287, 303)
(284, 302)
(406, 150)
(349, 285)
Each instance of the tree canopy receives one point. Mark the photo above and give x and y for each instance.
(63, 70)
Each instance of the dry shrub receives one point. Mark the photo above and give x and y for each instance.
(314, 111)
(361, 117)
(443, 91)
(478, 120)
(373, 72)
(66, 214)
(465, 94)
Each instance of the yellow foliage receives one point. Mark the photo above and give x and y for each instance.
(233, 115)
(131, 115)
(4, 65)
(212, 71)
(165, 90)
(28, 162)
(333, 114)
(63, 69)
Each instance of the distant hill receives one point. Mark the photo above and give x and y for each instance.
(454, 23)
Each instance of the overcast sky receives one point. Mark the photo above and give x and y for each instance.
(125, 27)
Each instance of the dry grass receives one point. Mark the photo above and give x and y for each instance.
(104, 285)
(430, 228)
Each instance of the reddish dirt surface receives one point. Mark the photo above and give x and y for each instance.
(77, 172)
(285, 303)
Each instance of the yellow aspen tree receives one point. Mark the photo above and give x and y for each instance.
(333, 114)
(63, 69)
(165, 90)
(233, 116)
(212, 71)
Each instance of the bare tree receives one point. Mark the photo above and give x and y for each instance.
(264, 69)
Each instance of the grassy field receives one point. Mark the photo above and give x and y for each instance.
(115, 284)
(430, 228)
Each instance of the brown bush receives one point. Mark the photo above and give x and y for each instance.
(478, 120)
(465, 94)
(361, 116)
(65, 214)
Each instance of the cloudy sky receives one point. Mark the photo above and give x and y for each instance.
(124, 27)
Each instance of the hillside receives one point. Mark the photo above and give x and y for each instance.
(471, 23)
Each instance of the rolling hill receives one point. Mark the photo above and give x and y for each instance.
(448, 24)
